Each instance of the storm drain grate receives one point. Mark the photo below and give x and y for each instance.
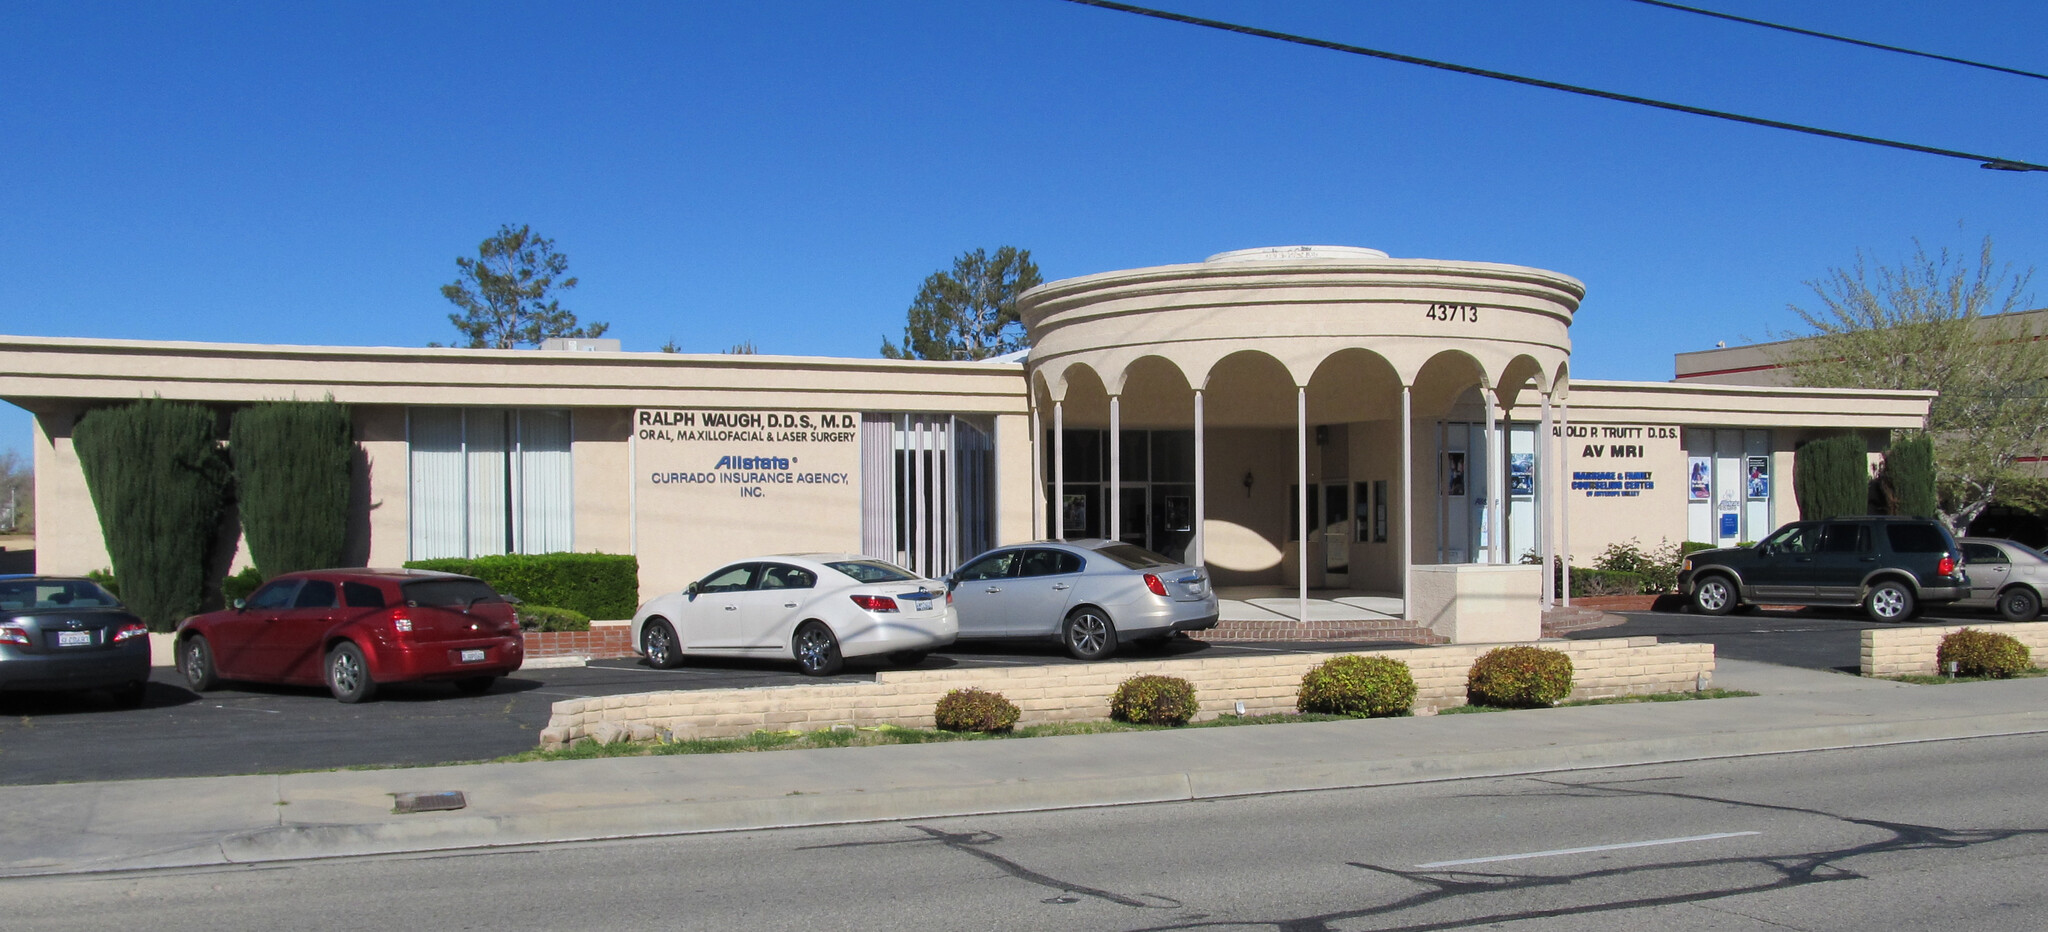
(428, 802)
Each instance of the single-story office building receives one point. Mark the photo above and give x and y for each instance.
(1306, 417)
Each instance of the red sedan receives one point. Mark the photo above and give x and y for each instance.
(353, 629)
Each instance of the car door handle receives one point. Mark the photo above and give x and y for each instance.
(1061, 586)
(789, 605)
(993, 589)
(732, 608)
(1870, 559)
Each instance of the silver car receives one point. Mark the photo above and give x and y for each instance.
(2006, 575)
(1091, 594)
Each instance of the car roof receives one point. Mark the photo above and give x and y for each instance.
(395, 574)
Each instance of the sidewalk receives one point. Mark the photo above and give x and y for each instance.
(69, 828)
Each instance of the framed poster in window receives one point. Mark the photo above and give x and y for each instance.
(1074, 509)
(1180, 513)
(1759, 480)
(1379, 511)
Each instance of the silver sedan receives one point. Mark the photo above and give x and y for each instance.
(1091, 594)
(2006, 575)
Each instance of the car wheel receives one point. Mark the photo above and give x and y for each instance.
(195, 660)
(817, 650)
(1714, 595)
(658, 644)
(475, 685)
(2019, 604)
(130, 695)
(1889, 601)
(909, 658)
(348, 676)
(1088, 634)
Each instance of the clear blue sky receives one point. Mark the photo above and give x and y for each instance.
(787, 173)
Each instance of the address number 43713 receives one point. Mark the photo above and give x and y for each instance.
(1458, 313)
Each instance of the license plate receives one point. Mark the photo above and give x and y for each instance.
(74, 639)
(475, 655)
(924, 605)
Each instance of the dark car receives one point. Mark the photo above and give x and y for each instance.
(1090, 594)
(1890, 566)
(354, 629)
(66, 633)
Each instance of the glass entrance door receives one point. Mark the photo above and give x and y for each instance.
(1335, 530)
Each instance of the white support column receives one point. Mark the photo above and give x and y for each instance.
(1407, 498)
(1201, 554)
(951, 521)
(920, 560)
(1059, 471)
(1564, 501)
(1540, 486)
(1037, 447)
(1115, 511)
(1494, 469)
(1301, 492)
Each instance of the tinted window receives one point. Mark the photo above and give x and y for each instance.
(361, 595)
(778, 576)
(55, 593)
(730, 579)
(1917, 538)
(1136, 558)
(872, 571)
(316, 593)
(457, 592)
(1793, 538)
(1983, 553)
(994, 566)
(274, 594)
(1845, 538)
(1049, 563)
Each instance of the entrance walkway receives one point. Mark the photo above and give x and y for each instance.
(1273, 613)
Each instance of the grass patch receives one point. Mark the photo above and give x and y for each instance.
(1924, 679)
(1611, 700)
(871, 737)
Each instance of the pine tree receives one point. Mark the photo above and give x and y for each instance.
(292, 461)
(1831, 477)
(160, 484)
(1909, 477)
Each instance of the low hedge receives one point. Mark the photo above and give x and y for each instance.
(1373, 687)
(1982, 653)
(1592, 582)
(1519, 677)
(597, 585)
(975, 709)
(1151, 699)
(549, 618)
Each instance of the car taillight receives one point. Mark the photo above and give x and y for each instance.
(1153, 583)
(133, 629)
(1946, 567)
(949, 597)
(13, 636)
(401, 622)
(875, 603)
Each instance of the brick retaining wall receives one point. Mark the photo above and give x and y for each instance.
(1902, 651)
(1080, 692)
(601, 642)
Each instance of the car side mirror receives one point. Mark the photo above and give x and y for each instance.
(241, 605)
(690, 590)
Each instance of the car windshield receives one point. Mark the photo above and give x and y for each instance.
(1135, 558)
(872, 571)
(22, 594)
(462, 592)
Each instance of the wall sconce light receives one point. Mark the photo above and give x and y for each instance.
(1247, 485)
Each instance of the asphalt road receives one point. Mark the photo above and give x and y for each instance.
(245, 728)
(1941, 835)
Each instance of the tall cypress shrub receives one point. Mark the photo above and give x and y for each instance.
(292, 480)
(1831, 476)
(160, 484)
(1909, 476)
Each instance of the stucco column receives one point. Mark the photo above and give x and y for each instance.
(1301, 492)
(1115, 512)
(1059, 471)
(1564, 503)
(1540, 486)
(1201, 554)
(1037, 474)
(1407, 496)
(1495, 464)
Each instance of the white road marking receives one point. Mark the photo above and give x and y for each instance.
(1586, 850)
(230, 708)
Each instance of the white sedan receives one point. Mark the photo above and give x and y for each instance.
(819, 608)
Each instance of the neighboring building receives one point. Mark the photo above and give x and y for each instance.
(1423, 412)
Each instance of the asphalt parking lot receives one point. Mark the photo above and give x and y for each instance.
(247, 728)
(1816, 638)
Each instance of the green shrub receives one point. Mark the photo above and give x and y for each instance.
(292, 462)
(1691, 547)
(1154, 700)
(975, 709)
(1908, 475)
(106, 581)
(1590, 582)
(599, 585)
(1519, 677)
(240, 585)
(1982, 653)
(1656, 567)
(159, 483)
(1373, 687)
(1831, 477)
(546, 618)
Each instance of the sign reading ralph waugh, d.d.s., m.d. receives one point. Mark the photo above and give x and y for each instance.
(810, 457)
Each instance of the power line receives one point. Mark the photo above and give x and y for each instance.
(1835, 38)
(1985, 161)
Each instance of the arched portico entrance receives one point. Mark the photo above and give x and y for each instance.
(1283, 416)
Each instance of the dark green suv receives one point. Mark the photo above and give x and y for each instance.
(1890, 566)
